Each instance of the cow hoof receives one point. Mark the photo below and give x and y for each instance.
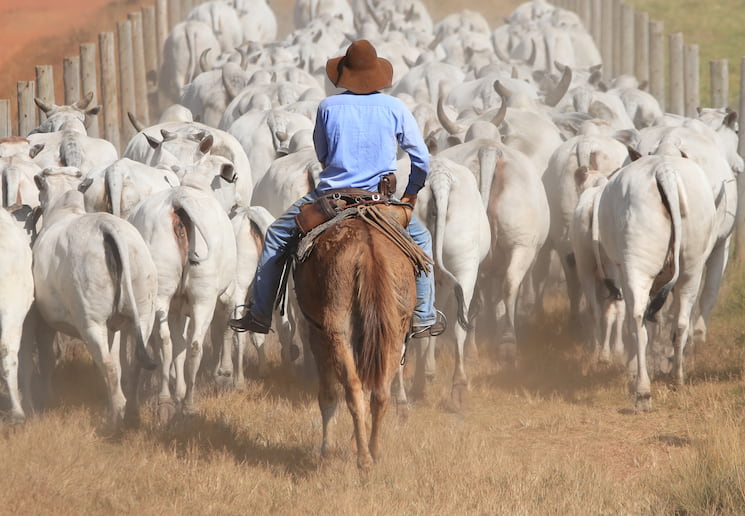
(290, 353)
(189, 410)
(402, 411)
(224, 378)
(166, 411)
(643, 402)
(458, 397)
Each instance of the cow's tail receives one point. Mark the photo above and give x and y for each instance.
(186, 211)
(441, 184)
(674, 200)
(113, 190)
(70, 150)
(191, 43)
(379, 308)
(11, 186)
(120, 255)
(488, 161)
(585, 150)
(612, 288)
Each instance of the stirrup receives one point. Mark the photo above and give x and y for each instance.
(249, 323)
(433, 330)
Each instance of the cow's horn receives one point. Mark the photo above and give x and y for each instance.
(555, 95)
(449, 125)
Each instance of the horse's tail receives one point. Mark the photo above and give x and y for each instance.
(380, 304)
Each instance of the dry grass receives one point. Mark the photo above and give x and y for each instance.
(555, 436)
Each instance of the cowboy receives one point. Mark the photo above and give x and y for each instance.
(356, 137)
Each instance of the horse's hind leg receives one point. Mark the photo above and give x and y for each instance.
(327, 401)
(378, 405)
(355, 399)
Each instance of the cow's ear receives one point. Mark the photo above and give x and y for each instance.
(206, 144)
(730, 120)
(633, 153)
(85, 184)
(40, 181)
(35, 150)
(152, 141)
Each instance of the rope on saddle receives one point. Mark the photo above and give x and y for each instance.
(373, 215)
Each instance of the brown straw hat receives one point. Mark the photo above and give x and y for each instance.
(360, 70)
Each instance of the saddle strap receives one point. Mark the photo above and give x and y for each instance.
(399, 236)
(374, 216)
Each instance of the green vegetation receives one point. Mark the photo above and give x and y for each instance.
(716, 26)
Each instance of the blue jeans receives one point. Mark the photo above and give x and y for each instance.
(275, 252)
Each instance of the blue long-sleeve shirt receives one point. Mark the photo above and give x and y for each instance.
(357, 137)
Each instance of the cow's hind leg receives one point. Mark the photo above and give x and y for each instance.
(10, 343)
(99, 341)
(197, 331)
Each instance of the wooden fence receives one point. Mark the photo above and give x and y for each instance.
(629, 43)
(118, 69)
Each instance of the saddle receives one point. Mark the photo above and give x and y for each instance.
(332, 203)
(378, 209)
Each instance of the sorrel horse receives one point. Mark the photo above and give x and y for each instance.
(356, 289)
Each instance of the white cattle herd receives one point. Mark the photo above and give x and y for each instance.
(142, 255)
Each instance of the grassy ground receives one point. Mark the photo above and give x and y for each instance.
(715, 26)
(555, 436)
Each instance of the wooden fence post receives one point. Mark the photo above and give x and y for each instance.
(739, 251)
(26, 107)
(719, 72)
(627, 52)
(692, 80)
(89, 83)
(71, 79)
(657, 61)
(641, 45)
(161, 26)
(109, 91)
(606, 46)
(126, 79)
(677, 75)
(617, 34)
(44, 86)
(150, 38)
(596, 25)
(5, 127)
(174, 13)
(585, 13)
(138, 69)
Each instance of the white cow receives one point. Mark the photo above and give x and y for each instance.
(18, 187)
(93, 277)
(450, 206)
(17, 285)
(605, 307)
(657, 222)
(595, 151)
(181, 50)
(192, 243)
(121, 186)
(57, 116)
(519, 217)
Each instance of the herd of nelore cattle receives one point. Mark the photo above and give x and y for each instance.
(534, 157)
